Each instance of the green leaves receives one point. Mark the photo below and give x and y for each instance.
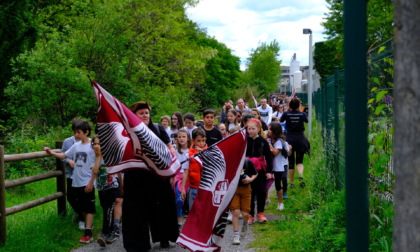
(145, 50)
(264, 67)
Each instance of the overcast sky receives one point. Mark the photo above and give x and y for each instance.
(242, 24)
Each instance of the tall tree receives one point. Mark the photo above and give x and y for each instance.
(326, 57)
(221, 73)
(21, 23)
(380, 23)
(138, 50)
(264, 69)
(407, 124)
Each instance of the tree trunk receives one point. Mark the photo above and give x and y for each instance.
(407, 126)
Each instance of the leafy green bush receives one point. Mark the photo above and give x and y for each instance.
(28, 139)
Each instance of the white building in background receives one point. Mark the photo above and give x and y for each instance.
(289, 74)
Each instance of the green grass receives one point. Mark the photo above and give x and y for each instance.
(41, 228)
(313, 219)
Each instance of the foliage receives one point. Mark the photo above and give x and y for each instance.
(246, 93)
(22, 23)
(221, 74)
(329, 225)
(145, 50)
(26, 139)
(47, 88)
(39, 223)
(381, 223)
(380, 120)
(380, 139)
(264, 70)
(380, 16)
(326, 58)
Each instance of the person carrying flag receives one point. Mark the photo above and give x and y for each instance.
(149, 202)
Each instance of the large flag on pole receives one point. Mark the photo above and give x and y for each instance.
(206, 222)
(126, 142)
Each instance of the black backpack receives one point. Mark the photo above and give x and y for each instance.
(283, 150)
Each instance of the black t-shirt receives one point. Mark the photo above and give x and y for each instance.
(259, 147)
(160, 132)
(248, 169)
(294, 121)
(212, 136)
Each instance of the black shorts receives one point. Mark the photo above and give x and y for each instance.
(85, 200)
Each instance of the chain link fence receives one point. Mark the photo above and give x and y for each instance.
(330, 111)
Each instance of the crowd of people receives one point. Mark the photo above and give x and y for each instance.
(156, 207)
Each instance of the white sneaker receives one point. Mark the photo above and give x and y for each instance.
(81, 225)
(236, 240)
(280, 206)
(267, 201)
(229, 218)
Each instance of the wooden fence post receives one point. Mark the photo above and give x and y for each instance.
(2, 199)
(61, 183)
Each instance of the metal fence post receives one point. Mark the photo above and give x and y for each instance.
(61, 183)
(2, 199)
(355, 65)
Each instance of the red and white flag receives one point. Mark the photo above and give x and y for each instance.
(126, 142)
(255, 100)
(206, 222)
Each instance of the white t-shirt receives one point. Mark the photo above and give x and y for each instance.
(84, 159)
(183, 157)
(279, 161)
(190, 130)
(171, 134)
(266, 114)
(231, 125)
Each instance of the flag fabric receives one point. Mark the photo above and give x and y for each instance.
(255, 100)
(126, 142)
(206, 222)
(293, 93)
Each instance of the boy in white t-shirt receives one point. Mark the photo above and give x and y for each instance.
(84, 157)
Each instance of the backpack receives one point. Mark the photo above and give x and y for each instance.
(283, 150)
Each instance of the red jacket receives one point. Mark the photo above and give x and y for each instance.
(195, 169)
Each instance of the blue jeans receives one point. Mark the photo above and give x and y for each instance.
(192, 193)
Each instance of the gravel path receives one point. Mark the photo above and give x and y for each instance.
(227, 244)
(117, 246)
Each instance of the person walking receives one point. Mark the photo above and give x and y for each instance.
(295, 127)
(149, 201)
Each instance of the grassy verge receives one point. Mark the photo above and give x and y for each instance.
(40, 228)
(313, 219)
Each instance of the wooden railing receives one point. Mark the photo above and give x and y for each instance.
(60, 195)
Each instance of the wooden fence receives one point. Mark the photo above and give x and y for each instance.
(60, 195)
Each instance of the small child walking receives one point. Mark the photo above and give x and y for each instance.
(258, 151)
(241, 201)
(194, 171)
(107, 187)
(182, 148)
(280, 149)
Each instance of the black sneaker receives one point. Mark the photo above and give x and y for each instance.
(116, 231)
(110, 238)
